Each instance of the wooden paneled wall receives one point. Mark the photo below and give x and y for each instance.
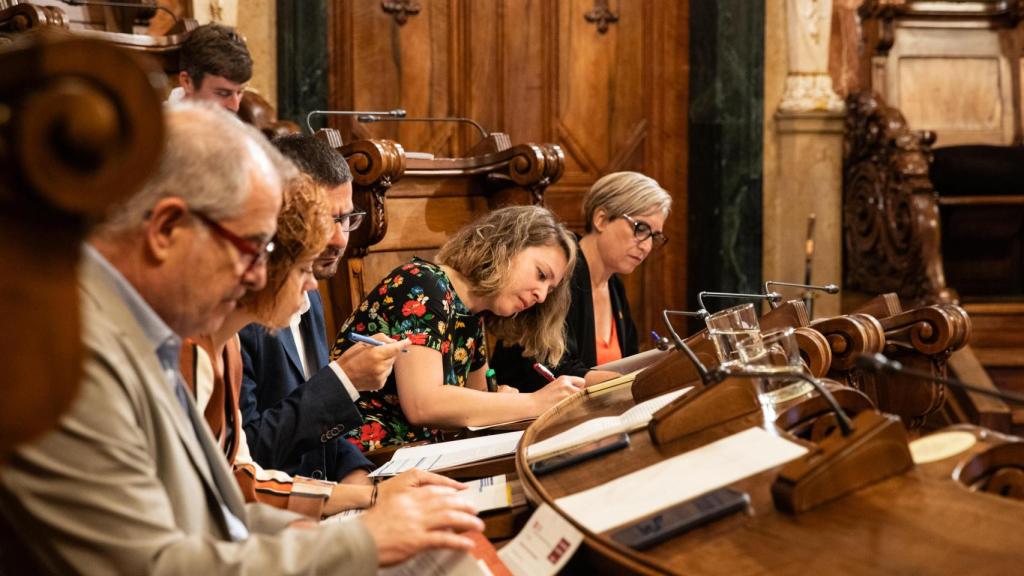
(613, 92)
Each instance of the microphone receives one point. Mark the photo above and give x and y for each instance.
(702, 371)
(879, 364)
(371, 117)
(771, 297)
(396, 113)
(139, 6)
(845, 424)
(827, 288)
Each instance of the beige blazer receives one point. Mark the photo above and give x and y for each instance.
(123, 486)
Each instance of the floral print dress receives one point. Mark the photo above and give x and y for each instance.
(415, 301)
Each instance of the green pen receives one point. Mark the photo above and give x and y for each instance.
(492, 382)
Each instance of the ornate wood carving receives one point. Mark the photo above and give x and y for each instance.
(601, 15)
(921, 339)
(376, 165)
(401, 9)
(23, 17)
(890, 209)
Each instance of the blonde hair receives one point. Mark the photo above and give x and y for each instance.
(622, 193)
(483, 251)
(304, 227)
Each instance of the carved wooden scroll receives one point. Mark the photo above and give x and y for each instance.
(376, 165)
(24, 17)
(81, 127)
(890, 209)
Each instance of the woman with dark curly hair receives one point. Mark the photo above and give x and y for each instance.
(507, 269)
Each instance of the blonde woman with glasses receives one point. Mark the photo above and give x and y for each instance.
(625, 215)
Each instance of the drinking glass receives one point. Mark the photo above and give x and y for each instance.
(730, 327)
(774, 354)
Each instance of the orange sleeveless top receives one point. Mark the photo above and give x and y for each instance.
(610, 351)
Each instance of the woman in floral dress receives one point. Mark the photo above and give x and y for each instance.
(508, 269)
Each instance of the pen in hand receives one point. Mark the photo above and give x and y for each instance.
(359, 338)
(544, 371)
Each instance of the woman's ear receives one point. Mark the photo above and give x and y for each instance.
(601, 220)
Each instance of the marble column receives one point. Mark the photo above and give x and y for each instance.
(808, 180)
(726, 137)
(302, 60)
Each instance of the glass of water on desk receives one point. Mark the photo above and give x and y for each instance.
(774, 354)
(728, 328)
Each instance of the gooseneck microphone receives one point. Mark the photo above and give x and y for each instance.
(772, 297)
(880, 364)
(702, 370)
(373, 117)
(843, 419)
(396, 113)
(827, 288)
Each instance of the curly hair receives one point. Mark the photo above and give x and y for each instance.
(304, 227)
(483, 251)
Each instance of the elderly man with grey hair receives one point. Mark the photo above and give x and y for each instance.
(131, 481)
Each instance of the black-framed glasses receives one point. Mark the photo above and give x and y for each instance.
(252, 252)
(350, 221)
(642, 231)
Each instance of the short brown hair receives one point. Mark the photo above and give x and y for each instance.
(483, 252)
(217, 50)
(304, 226)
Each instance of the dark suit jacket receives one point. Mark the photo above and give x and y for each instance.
(292, 425)
(580, 335)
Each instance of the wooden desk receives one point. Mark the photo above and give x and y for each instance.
(919, 522)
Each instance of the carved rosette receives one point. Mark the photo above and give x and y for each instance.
(890, 209)
(376, 165)
(535, 167)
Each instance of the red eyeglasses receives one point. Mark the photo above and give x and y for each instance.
(252, 253)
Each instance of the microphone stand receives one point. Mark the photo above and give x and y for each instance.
(808, 288)
(375, 117)
(880, 364)
(396, 113)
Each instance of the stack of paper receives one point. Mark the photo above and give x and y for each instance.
(678, 479)
(633, 419)
(444, 455)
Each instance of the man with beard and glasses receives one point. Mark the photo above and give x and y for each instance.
(296, 405)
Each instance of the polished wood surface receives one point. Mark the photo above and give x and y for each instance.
(539, 72)
(908, 524)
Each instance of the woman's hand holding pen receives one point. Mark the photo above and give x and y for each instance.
(556, 390)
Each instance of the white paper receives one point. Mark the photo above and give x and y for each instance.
(596, 428)
(492, 493)
(450, 454)
(543, 546)
(678, 479)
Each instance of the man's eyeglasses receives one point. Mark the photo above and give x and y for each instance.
(252, 252)
(350, 221)
(642, 231)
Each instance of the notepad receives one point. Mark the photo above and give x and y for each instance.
(433, 457)
(493, 493)
(596, 428)
(678, 479)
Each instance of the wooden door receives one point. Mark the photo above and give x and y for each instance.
(607, 81)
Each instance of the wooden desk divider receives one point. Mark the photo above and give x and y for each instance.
(814, 350)
(675, 370)
(812, 418)
(997, 470)
(838, 465)
(704, 408)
